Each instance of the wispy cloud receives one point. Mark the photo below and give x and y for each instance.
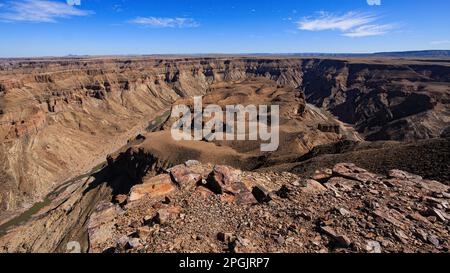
(351, 24)
(328, 21)
(39, 11)
(74, 2)
(374, 2)
(164, 22)
(369, 30)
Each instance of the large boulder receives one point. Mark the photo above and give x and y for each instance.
(156, 187)
(184, 177)
(222, 178)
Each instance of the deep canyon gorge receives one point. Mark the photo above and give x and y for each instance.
(85, 132)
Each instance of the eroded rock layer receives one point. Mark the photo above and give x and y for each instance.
(60, 118)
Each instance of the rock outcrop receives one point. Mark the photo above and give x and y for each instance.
(351, 211)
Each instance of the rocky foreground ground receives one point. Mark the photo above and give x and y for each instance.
(198, 207)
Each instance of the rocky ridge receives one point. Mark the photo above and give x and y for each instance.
(205, 208)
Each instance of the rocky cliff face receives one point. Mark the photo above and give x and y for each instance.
(61, 117)
(384, 101)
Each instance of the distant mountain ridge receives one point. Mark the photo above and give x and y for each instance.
(423, 54)
(405, 54)
(394, 54)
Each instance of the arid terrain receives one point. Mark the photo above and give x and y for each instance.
(86, 155)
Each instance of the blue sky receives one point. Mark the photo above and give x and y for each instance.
(107, 27)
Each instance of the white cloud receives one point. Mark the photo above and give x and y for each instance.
(351, 24)
(374, 2)
(74, 2)
(328, 21)
(368, 30)
(164, 22)
(39, 11)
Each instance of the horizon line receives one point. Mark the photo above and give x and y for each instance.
(299, 54)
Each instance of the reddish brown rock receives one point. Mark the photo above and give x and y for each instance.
(313, 187)
(419, 218)
(162, 216)
(204, 192)
(402, 175)
(341, 183)
(242, 194)
(391, 216)
(439, 214)
(156, 187)
(143, 232)
(351, 171)
(322, 174)
(341, 240)
(184, 177)
(343, 215)
(222, 178)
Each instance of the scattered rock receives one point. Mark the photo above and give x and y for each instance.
(341, 240)
(148, 219)
(204, 192)
(133, 243)
(121, 199)
(403, 175)
(122, 242)
(241, 245)
(261, 194)
(143, 232)
(351, 171)
(342, 215)
(191, 163)
(419, 218)
(373, 247)
(434, 240)
(400, 235)
(280, 240)
(439, 214)
(283, 192)
(391, 216)
(164, 215)
(343, 211)
(227, 238)
(322, 175)
(341, 184)
(313, 187)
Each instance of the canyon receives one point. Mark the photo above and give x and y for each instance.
(83, 133)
